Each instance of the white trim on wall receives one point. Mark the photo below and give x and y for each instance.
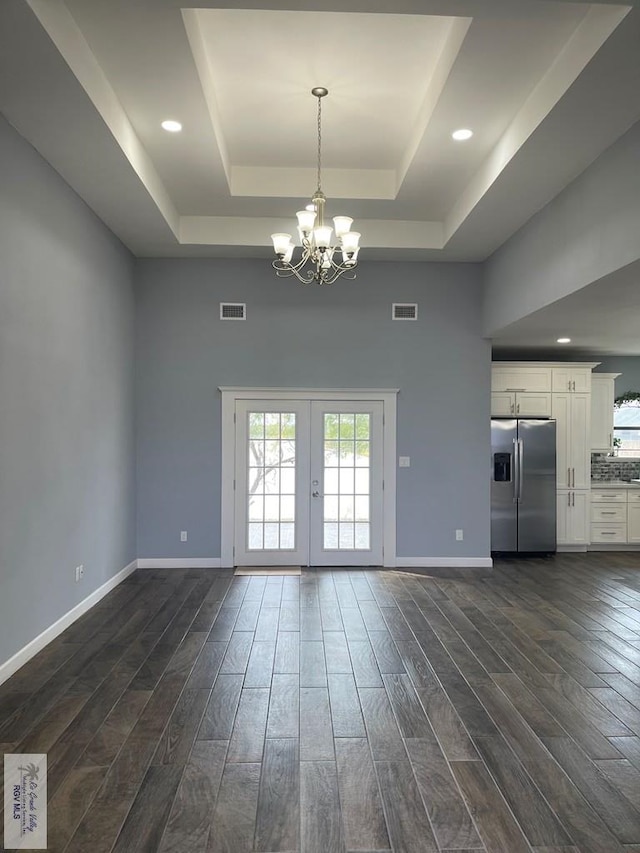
(179, 563)
(230, 394)
(444, 562)
(8, 668)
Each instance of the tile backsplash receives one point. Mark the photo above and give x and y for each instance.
(605, 468)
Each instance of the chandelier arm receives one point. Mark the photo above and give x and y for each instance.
(337, 272)
(288, 271)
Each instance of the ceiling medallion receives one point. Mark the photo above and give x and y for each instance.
(317, 262)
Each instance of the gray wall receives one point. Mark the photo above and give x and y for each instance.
(67, 487)
(629, 368)
(296, 336)
(588, 231)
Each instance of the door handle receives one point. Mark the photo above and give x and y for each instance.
(520, 466)
(568, 498)
(569, 477)
(316, 494)
(573, 498)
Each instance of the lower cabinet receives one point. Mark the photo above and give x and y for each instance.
(615, 516)
(573, 517)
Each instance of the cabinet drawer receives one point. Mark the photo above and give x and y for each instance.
(609, 512)
(608, 496)
(608, 532)
(633, 495)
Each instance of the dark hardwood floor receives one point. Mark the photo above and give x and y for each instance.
(479, 710)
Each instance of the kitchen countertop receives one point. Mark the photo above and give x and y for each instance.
(613, 484)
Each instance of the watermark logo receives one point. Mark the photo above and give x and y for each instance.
(25, 802)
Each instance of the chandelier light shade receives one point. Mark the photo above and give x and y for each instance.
(323, 259)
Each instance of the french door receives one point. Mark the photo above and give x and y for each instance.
(308, 482)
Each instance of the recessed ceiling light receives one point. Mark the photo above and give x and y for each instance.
(171, 125)
(564, 340)
(462, 134)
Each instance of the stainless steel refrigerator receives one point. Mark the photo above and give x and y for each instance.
(523, 485)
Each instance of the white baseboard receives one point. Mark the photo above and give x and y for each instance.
(25, 654)
(444, 562)
(179, 563)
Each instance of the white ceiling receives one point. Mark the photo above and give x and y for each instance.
(88, 82)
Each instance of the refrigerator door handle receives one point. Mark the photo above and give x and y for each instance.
(520, 467)
(516, 471)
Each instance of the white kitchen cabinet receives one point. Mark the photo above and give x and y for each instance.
(520, 404)
(633, 517)
(572, 413)
(571, 379)
(573, 517)
(602, 397)
(520, 377)
(615, 516)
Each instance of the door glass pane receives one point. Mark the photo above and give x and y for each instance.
(271, 498)
(347, 442)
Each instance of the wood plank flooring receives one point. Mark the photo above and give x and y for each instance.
(344, 710)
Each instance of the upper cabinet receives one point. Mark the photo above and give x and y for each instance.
(570, 379)
(602, 397)
(509, 377)
(520, 404)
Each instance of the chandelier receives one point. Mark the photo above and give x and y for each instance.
(319, 257)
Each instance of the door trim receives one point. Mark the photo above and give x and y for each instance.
(230, 394)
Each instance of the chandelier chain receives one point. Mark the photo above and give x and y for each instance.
(319, 140)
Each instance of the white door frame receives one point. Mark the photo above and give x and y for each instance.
(387, 396)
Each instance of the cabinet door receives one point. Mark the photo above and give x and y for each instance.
(503, 404)
(602, 396)
(573, 380)
(572, 519)
(581, 380)
(529, 405)
(520, 378)
(579, 441)
(563, 508)
(561, 411)
(633, 521)
(561, 378)
(579, 526)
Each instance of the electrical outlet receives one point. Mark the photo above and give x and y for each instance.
(183, 535)
(79, 573)
(459, 535)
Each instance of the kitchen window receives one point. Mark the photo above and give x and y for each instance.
(626, 428)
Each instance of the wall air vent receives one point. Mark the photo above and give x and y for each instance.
(404, 311)
(233, 311)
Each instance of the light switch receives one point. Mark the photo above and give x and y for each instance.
(404, 462)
